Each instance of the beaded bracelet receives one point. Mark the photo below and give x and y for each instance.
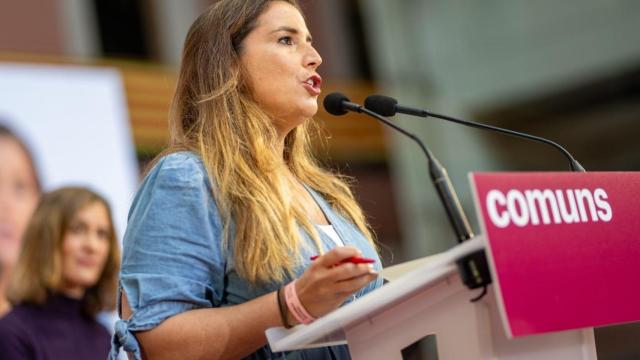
(295, 306)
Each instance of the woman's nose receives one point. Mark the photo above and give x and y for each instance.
(92, 242)
(313, 58)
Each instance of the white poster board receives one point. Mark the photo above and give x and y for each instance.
(76, 124)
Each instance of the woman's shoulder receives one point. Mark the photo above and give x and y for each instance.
(14, 326)
(29, 331)
(177, 175)
(177, 169)
(181, 158)
(178, 163)
(21, 313)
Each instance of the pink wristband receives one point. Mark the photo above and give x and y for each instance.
(295, 306)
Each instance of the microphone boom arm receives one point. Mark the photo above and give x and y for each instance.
(473, 268)
(441, 181)
(575, 165)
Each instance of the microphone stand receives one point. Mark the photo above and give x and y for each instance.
(474, 269)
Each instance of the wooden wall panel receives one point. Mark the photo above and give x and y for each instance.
(149, 89)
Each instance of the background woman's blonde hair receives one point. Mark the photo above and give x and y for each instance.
(214, 115)
(38, 272)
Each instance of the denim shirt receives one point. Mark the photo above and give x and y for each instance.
(173, 260)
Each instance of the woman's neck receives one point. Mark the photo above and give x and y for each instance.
(73, 291)
(281, 138)
(280, 145)
(5, 306)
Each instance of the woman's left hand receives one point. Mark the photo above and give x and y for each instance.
(328, 282)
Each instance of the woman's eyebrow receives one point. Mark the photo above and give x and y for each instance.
(105, 229)
(291, 30)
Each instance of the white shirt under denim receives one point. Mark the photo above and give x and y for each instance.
(173, 260)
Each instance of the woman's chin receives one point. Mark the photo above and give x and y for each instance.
(310, 110)
(299, 117)
(9, 256)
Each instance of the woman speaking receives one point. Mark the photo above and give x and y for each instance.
(221, 233)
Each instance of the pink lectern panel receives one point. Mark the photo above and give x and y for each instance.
(564, 247)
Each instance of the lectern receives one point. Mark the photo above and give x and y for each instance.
(562, 250)
(430, 300)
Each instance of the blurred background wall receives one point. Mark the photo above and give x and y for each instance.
(568, 71)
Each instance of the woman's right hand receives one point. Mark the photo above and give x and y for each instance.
(327, 283)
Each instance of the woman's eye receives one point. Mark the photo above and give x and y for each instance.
(103, 234)
(77, 228)
(286, 40)
(20, 187)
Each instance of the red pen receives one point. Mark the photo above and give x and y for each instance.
(353, 260)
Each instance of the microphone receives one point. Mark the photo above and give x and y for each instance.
(474, 269)
(338, 104)
(388, 106)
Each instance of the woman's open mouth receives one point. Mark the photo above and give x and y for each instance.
(312, 84)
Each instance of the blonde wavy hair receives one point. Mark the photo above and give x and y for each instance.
(38, 273)
(214, 115)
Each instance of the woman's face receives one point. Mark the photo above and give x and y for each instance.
(281, 65)
(18, 198)
(85, 249)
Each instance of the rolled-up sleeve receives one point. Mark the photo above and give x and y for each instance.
(172, 258)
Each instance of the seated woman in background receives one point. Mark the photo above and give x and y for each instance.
(19, 193)
(65, 275)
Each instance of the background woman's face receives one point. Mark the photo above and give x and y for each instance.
(18, 198)
(85, 249)
(281, 64)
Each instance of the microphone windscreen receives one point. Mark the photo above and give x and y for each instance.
(383, 105)
(333, 103)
